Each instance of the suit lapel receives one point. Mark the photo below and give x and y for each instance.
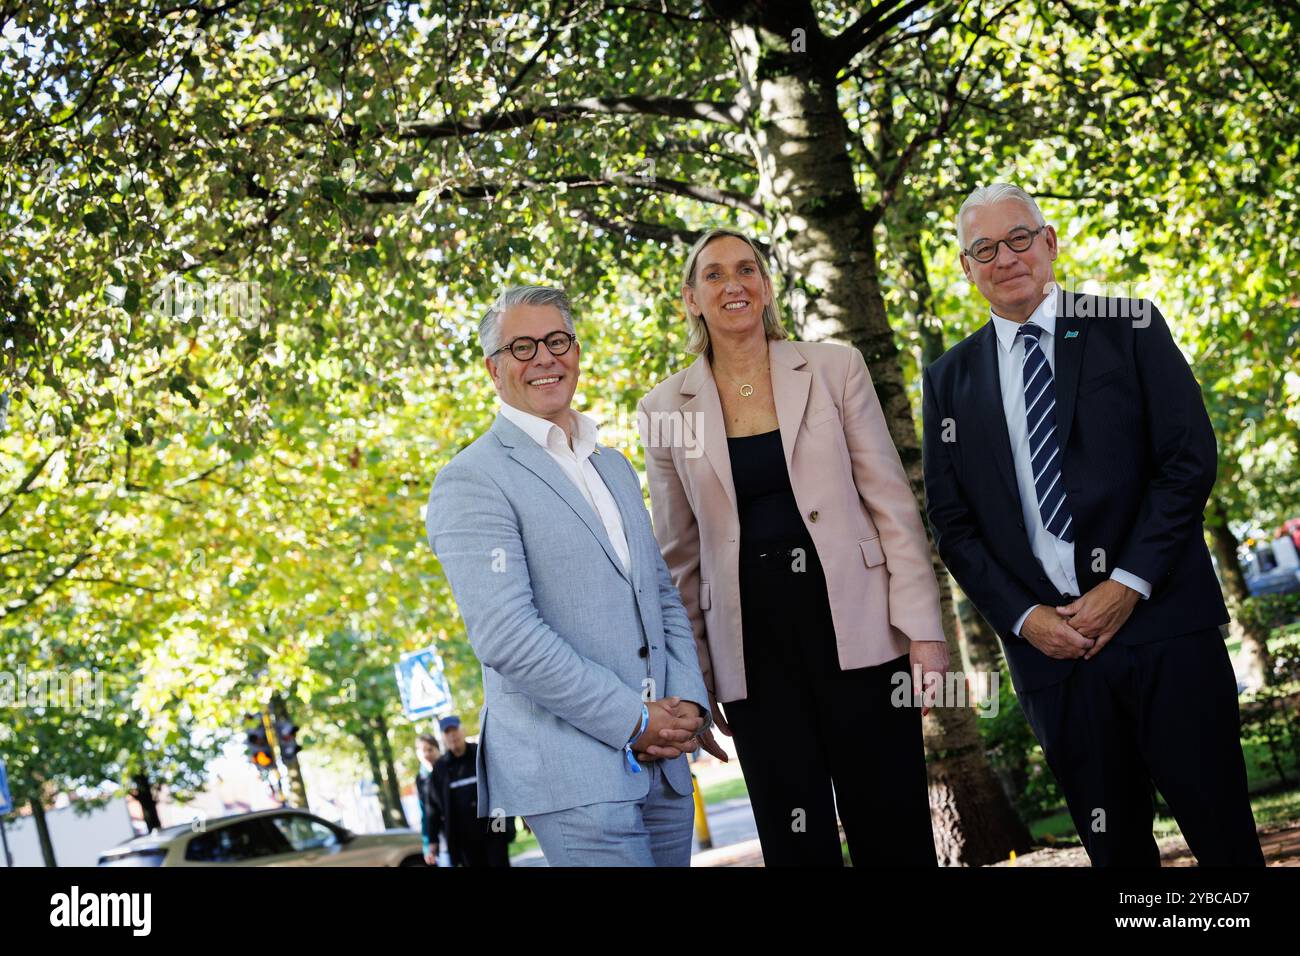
(609, 471)
(790, 387)
(1071, 332)
(631, 507)
(537, 460)
(705, 408)
(988, 401)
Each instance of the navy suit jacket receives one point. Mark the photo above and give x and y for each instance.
(1138, 463)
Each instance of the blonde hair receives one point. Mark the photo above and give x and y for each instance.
(697, 336)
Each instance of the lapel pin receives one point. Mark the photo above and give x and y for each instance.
(1073, 334)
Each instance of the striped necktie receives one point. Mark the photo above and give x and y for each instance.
(1044, 449)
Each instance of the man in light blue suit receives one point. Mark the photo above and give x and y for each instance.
(591, 685)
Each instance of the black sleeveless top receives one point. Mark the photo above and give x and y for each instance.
(769, 513)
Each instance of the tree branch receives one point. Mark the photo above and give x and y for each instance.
(712, 111)
(26, 483)
(1238, 47)
(868, 28)
(122, 584)
(663, 12)
(203, 475)
(708, 194)
(12, 551)
(952, 107)
(669, 145)
(131, 486)
(32, 596)
(528, 66)
(654, 232)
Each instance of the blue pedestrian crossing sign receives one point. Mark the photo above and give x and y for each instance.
(6, 801)
(423, 685)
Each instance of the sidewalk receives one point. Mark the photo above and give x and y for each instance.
(731, 826)
(1280, 842)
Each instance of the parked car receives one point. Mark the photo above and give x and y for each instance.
(1264, 573)
(285, 837)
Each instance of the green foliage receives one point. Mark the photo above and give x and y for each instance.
(1016, 756)
(245, 247)
(1272, 611)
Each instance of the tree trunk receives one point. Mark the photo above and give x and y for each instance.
(975, 823)
(396, 816)
(906, 219)
(143, 794)
(982, 645)
(1254, 640)
(823, 237)
(42, 831)
(366, 735)
(297, 786)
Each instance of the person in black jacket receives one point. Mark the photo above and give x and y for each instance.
(471, 840)
(1068, 458)
(426, 793)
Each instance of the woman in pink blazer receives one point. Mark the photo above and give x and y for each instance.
(786, 519)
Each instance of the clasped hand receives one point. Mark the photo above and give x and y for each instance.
(1082, 627)
(671, 731)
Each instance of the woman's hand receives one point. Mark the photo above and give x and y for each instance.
(929, 663)
(709, 745)
(718, 720)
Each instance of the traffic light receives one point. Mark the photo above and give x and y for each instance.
(286, 734)
(259, 746)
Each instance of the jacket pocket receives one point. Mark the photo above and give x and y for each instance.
(817, 416)
(1098, 381)
(705, 602)
(872, 553)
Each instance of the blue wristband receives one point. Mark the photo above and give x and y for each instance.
(632, 762)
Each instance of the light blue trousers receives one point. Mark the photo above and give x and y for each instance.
(652, 831)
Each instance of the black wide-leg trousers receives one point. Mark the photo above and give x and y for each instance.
(813, 738)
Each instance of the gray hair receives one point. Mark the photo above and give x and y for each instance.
(987, 196)
(489, 327)
(697, 331)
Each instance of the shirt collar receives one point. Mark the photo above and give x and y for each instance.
(549, 435)
(1044, 317)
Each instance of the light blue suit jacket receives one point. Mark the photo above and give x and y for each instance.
(557, 624)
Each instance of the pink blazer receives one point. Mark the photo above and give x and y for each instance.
(850, 487)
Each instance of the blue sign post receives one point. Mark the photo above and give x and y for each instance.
(6, 806)
(423, 685)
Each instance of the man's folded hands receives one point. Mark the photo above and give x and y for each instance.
(671, 731)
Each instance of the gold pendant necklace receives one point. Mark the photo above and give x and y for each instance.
(745, 389)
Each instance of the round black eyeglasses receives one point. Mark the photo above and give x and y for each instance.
(1019, 240)
(524, 347)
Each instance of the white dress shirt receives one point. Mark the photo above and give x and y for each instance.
(1055, 556)
(576, 464)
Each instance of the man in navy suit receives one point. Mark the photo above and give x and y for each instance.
(1068, 459)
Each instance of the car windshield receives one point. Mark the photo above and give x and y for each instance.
(236, 843)
(305, 833)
